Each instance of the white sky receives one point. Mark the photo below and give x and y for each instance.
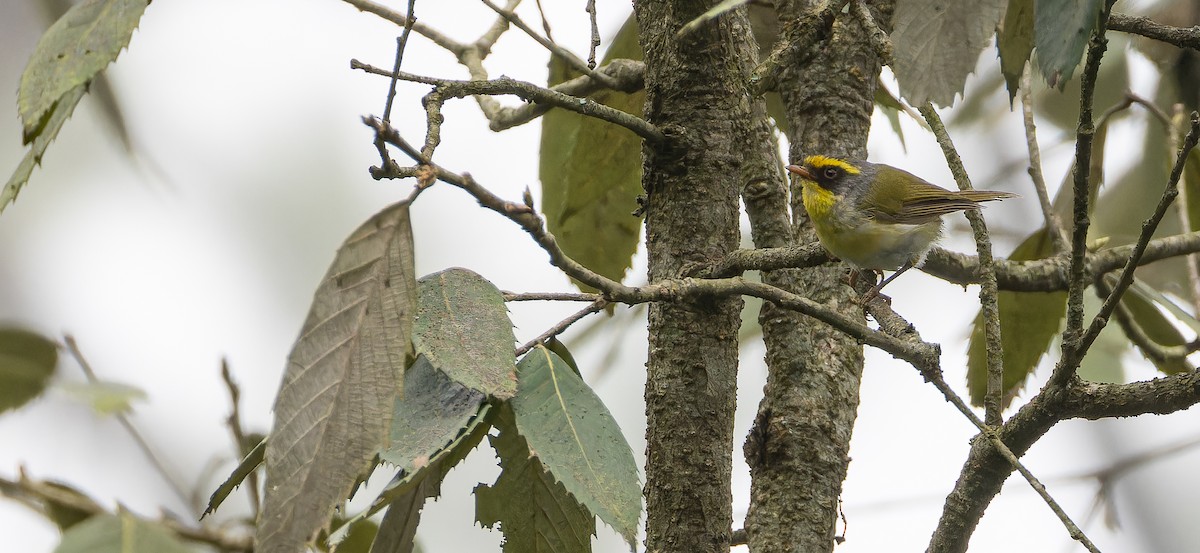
(245, 116)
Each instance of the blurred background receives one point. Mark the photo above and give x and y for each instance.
(203, 238)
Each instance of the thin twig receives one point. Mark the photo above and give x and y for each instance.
(528, 91)
(545, 22)
(588, 69)
(1136, 334)
(1181, 37)
(1084, 137)
(176, 486)
(595, 307)
(234, 422)
(1148, 228)
(590, 8)
(549, 296)
(993, 399)
(453, 46)
(1058, 235)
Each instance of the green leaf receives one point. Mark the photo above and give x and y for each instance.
(72, 52)
(533, 509)
(412, 488)
(1028, 323)
(591, 173)
(120, 533)
(1061, 30)
(358, 538)
(1103, 361)
(59, 112)
(1191, 187)
(575, 437)
(463, 329)
(1156, 326)
(937, 44)
(1014, 42)
(335, 405)
(248, 465)
(27, 361)
(104, 397)
(398, 529)
(433, 411)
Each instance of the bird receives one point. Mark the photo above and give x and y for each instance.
(877, 217)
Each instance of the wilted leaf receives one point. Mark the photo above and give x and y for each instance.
(27, 361)
(535, 511)
(74, 49)
(433, 411)
(1028, 323)
(591, 173)
(57, 116)
(576, 439)
(248, 465)
(121, 533)
(937, 44)
(1014, 42)
(105, 398)
(463, 329)
(343, 376)
(1061, 31)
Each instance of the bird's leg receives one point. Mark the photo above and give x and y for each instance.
(875, 291)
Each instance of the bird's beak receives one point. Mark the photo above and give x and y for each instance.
(800, 171)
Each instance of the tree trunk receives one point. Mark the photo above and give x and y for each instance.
(797, 449)
(697, 94)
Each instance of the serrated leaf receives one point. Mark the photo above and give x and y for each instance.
(398, 529)
(412, 488)
(577, 440)
(27, 361)
(1061, 30)
(72, 52)
(1029, 322)
(121, 533)
(248, 465)
(335, 404)
(463, 329)
(937, 44)
(534, 510)
(433, 411)
(59, 112)
(1014, 42)
(104, 397)
(591, 173)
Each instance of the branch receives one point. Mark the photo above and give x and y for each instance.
(988, 290)
(1181, 37)
(571, 59)
(1148, 228)
(1084, 135)
(626, 75)
(594, 307)
(527, 91)
(1052, 222)
(797, 43)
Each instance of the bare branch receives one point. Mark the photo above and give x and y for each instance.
(528, 91)
(573, 60)
(1181, 37)
(594, 307)
(1053, 223)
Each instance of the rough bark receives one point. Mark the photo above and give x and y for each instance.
(797, 449)
(696, 93)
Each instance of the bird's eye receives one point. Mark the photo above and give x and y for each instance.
(830, 172)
